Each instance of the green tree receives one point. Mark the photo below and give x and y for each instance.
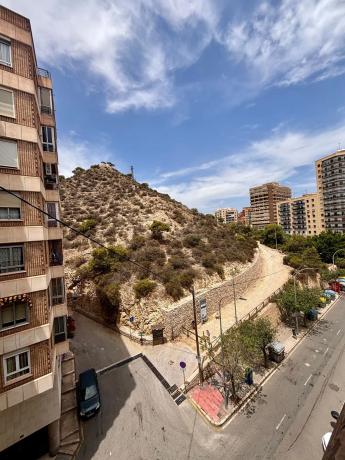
(327, 243)
(157, 228)
(110, 300)
(272, 233)
(306, 298)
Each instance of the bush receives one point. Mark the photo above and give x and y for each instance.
(110, 300)
(144, 287)
(157, 228)
(137, 242)
(179, 261)
(186, 278)
(174, 289)
(87, 225)
(191, 241)
(209, 261)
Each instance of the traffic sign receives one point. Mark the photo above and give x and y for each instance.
(182, 365)
(131, 319)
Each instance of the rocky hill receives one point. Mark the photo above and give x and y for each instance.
(158, 246)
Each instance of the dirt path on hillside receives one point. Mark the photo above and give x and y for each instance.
(273, 275)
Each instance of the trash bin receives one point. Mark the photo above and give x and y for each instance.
(312, 314)
(276, 351)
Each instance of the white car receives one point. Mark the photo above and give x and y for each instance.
(325, 440)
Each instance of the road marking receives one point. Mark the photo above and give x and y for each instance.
(310, 376)
(339, 332)
(281, 421)
(307, 364)
(325, 353)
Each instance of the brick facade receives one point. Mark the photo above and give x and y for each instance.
(40, 359)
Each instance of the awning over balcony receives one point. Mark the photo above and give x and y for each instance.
(16, 298)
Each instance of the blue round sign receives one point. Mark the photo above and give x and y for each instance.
(131, 319)
(182, 365)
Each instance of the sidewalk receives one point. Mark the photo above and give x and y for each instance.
(209, 401)
(274, 274)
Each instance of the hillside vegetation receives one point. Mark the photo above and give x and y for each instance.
(157, 246)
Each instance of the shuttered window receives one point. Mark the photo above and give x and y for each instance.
(9, 207)
(7, 103)
(8, 154)
(5, 52)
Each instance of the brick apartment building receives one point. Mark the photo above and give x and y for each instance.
(32, 293)
(301, 215)
(226, 215)
(245, 216)
(263, 203)
(330, 178)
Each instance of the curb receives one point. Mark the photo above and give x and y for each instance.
(259, 385)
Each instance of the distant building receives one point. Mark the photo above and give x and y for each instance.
(33, 306)
(226, 215)
(245, 216)
(330, 178)
(263, 203)
(301, 215)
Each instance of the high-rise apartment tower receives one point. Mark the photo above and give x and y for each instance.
(32, 290)
(263, 203)
(330, 178)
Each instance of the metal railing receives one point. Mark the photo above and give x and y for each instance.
(43, 72)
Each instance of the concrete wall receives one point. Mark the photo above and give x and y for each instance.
(181, 315)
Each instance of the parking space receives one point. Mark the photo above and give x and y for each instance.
(138, 420)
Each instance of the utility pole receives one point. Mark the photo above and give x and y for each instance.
(222, 351)
(201, 374)
(275, 234)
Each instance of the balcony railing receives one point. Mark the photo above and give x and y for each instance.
(51, 182)
(43, 73)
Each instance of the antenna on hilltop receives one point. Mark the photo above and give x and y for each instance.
(132, 172)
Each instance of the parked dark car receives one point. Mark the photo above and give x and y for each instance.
(89, 401)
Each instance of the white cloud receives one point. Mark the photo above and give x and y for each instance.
(276, 158)
(291, 41)
(74, 152)
(122, 42)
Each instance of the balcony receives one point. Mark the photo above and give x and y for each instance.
(55, 253)
(43, 73)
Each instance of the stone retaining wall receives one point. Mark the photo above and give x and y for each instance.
(181, 315)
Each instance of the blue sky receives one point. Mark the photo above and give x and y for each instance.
(202, 98)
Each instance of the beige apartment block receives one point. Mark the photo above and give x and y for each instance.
(263, 203)
(226, 215)
(301, 215)
(330, 179)
(33, 307)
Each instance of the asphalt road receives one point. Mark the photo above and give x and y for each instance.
(139, 420)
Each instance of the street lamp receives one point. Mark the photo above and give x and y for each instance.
(221, 347)
(295, 290)
(201, 373)
(336, 252)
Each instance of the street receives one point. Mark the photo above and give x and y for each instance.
(139, 419)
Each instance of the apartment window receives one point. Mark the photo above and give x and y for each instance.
(60, 329)
(53, 211)
(5, 52)
(8, 153)
(9, 207)
(7, 103)
(48, 139)
(11, 259)
(45, 100)
(14, 314)
(57, 290)
(16, 365)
